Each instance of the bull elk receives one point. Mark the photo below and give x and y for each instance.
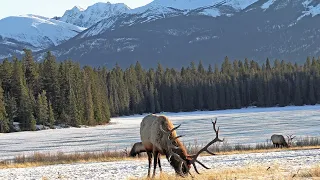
(159, 137)
(279, 140)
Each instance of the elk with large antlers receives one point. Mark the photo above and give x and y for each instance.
(159, 137)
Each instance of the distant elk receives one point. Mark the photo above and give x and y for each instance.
(159, 137)
(279, 140)
(136, 149)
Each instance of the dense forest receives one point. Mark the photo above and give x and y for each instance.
(51, 92)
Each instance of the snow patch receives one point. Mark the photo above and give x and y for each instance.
(99, 28)
(286, 161)
(240, 4)
(267, 4)
(211, 12)
(203, 38)
(311, 10)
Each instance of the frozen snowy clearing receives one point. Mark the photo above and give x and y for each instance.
(243, 126)
(288, 161)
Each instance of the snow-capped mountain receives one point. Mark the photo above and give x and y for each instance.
(282, 29)
(192, 4)
(159, 9)
(175, 32)
(41, 32)
(93, 14)
(33, 32)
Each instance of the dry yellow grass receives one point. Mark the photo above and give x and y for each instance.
(267, 150)
(41, 159)
(254, 172)
(310, 173)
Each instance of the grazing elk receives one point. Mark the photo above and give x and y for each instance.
(279, 140)
(159, 137)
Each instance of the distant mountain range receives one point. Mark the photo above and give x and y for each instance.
(172, 32)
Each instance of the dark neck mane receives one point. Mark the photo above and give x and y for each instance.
(182, 152)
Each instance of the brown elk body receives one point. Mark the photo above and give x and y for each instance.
(159, 137)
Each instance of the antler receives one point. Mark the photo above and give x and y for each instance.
(194, 157)
(289, 136)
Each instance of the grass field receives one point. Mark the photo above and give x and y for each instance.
(258, 171)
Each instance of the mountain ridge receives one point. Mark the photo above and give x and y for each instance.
(260, 29)
(33, 32)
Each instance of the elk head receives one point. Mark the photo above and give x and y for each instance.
(182, 162)
(290, 138)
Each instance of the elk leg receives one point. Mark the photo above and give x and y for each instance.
(159, 163)
(150, 161)
(155, 162)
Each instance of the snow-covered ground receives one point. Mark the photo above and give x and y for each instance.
(243, 126)
(289, 161)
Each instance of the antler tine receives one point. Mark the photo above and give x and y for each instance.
(288, 136)
(169, 132)
(176, 138)
(175, 128)
(214, 126)
(195, 167)
(216, 139)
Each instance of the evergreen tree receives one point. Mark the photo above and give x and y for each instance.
(297, 95)
(11, 108)
(42, 110)
(6, 71)
(89, 111)
(51, 115)
(31, 72)
(4, 122)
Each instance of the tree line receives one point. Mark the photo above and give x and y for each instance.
(51, 92)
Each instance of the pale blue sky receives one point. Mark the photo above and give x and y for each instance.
(51, 8)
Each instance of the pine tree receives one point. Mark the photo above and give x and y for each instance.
(31, 72)
(311, 94)
(89, 111)
(32, 122)
(6, 71)
(4, 122)
(297, 95)
(49, 82)
(42, 110)
(51, 116)
(11, 108)
(25, 115)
